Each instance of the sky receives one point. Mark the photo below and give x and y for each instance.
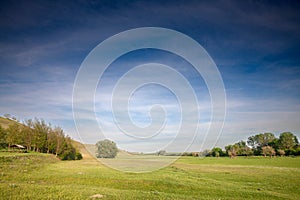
(255, 46)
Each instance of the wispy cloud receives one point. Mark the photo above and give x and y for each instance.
(254, 44)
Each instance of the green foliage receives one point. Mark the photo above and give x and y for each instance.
(242, 149)
(13, 134)
(287, 141)
(265, 144)
(106, 149)
(78, 156)
(40, 137)
(268, 151)
(261, 140)
(281, 152)
(231, 150)
(216, 152)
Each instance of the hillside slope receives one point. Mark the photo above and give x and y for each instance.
(5, 122)
(82, 149)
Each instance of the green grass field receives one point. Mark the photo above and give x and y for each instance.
(41, 176)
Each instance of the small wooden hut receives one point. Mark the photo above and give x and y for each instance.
(19, 147)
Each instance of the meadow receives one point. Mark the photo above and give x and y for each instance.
(42, 176)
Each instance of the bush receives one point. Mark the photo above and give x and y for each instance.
(78, 156)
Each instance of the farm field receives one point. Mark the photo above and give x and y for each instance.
(42, 176)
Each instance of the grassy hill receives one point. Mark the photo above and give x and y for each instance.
(82, 149)
(4, 122)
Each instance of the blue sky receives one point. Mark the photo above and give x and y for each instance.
(255, 45)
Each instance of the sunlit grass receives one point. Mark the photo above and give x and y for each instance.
(29, 176)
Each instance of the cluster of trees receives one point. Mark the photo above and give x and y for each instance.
(38, 136)
(265, 144)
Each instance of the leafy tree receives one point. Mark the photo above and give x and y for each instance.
(275, 143)
(69, 152)
(238, 149)
(106, 149)
(231, 150)
(297, 150)
(287, 140)
(252, 141)
(58, 142)
(281, 152)
(217, 152)
(13, 134)
(268, 151)
(242, 149)
(51, 141)
(161, 153)
(41, 130)
(40, 137)
(27, 136)
(261, 140)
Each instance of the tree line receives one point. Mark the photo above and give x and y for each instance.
(266, 144)
(36, 135)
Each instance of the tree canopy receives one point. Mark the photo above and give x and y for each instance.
(36, 135)
(106, 149)
(266, 144)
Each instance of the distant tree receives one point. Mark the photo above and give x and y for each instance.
(287, 140)
(252, 142)
(261, 140)
(216, 152)
(106, 149)
(258, 141)
(41, 130)
(195, 154)
(13, 134)
(161, 153)
(51, 141)
(68, 152)
(231, 150)
(204, 153)
(41, 137)
(297, 150)
(242, 149)
(281, 152)
(268, 151)
(275, 144)
(60, 137)
(27, 135)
